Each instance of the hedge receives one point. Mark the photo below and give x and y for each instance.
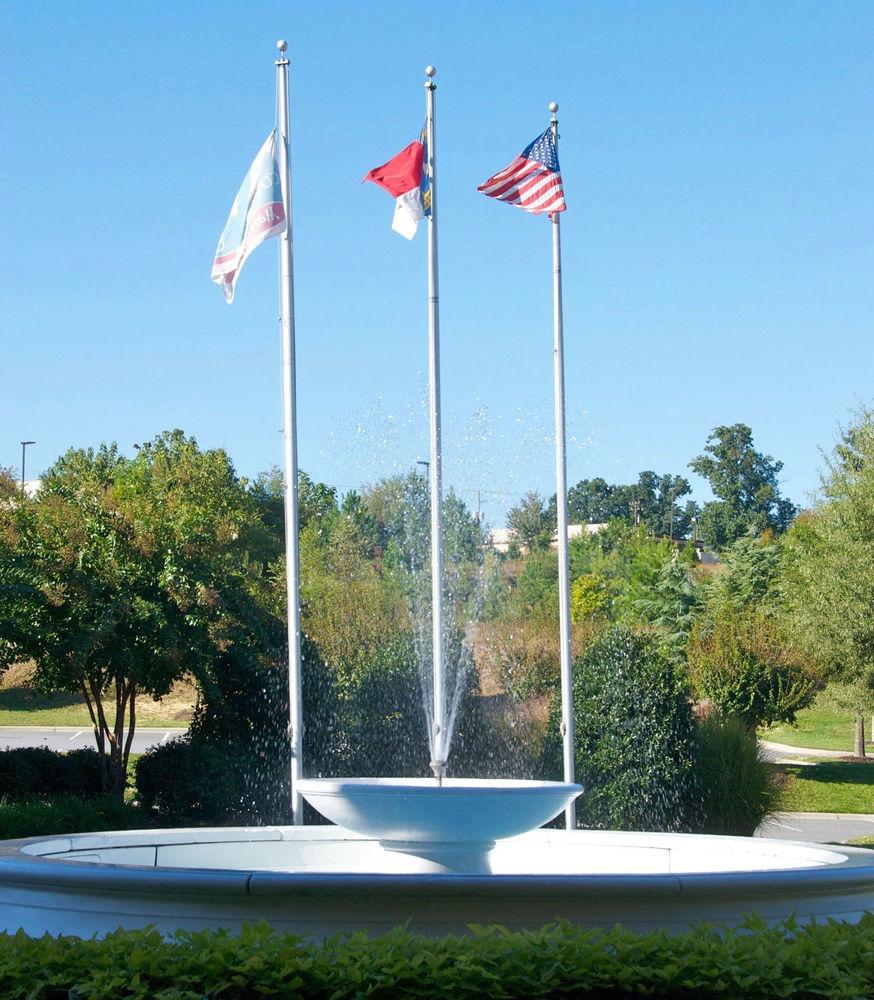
(827, 960)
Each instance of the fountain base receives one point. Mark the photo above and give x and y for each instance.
(318, 881)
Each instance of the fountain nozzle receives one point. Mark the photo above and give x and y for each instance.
(439, 769)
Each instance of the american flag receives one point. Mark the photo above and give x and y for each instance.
(532, 181)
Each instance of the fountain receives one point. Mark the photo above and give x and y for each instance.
(433, 854)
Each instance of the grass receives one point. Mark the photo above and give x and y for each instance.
(21, 704)
(827, 725)
(832, 786)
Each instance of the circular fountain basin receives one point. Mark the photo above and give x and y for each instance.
(318, 881)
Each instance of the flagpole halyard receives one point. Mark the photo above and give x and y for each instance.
(289, 442)
(564, 617)
(438, 724)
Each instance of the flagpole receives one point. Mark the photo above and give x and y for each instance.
(438, 725)
(289, 443)
(564, 614)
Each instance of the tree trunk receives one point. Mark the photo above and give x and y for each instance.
(860, 735)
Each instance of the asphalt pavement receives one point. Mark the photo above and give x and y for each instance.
(70, 738)
(818, 828)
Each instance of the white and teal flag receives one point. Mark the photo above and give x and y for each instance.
(257, 214)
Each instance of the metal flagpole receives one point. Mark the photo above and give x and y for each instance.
(564, 613)
(438, 726)
(289, 442)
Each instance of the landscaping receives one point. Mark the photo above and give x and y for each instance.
(821, 961)
(830, 786)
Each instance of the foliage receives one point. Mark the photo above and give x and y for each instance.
(745, 484)
(650, 502)
(742, 663)
(121, 575)
(633, 739)
(830, 552)
(738, 787)
(754, 961)
(527, 521)
(190, 781)
(62, 814)
(670, 607)
(524, 654)
(26, 771)
(588, 597)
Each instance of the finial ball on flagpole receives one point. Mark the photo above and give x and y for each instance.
(430, 70)
(282, 45)
(553, 107)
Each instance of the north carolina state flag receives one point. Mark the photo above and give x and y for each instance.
(405, 177)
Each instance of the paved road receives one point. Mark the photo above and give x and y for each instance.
(777, 751)
(68, 738)
(819, 828)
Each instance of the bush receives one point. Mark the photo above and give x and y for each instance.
(743, 665)
(634, 737)
(738, 787)
(754, 962)
(37, 817)
(190, 781)
(29, 771)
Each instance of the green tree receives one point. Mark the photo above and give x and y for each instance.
(527, 521)
(745, 484)
(120, 576)
(829, 580)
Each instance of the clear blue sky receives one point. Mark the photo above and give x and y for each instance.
(718, 247)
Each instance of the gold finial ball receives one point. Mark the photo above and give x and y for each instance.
(553, 107)
(430, 70)
(282, 45)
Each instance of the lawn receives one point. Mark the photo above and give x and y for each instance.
(826, 725)
(831, 786)
(21, 704)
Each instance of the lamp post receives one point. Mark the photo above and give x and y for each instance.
(24, 445)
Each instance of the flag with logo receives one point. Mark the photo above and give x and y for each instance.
(406, 179)
(532, 181)
(257, 214)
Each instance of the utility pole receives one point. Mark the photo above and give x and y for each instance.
(24, 445)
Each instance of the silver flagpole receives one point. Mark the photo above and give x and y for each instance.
(289, 442)
(564, 612)
(438, 725)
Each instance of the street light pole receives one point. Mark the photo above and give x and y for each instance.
(24, 445)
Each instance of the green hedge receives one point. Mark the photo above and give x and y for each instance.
(38, 817)
(831, 960)
(29, 771)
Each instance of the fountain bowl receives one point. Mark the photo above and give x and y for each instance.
(419, 810)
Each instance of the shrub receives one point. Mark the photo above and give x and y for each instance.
(742, 663)
(29, 771)
(37, 817)
(192, 781)
(634, 737)
(738, 787)
(753, 962)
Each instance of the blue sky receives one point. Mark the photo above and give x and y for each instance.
(718, 246)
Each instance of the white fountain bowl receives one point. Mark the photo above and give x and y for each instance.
(418, 811)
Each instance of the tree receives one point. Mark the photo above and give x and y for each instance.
(652, 501)
(120, 576)
(745, 483)
(829, 581)
(527, 520)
